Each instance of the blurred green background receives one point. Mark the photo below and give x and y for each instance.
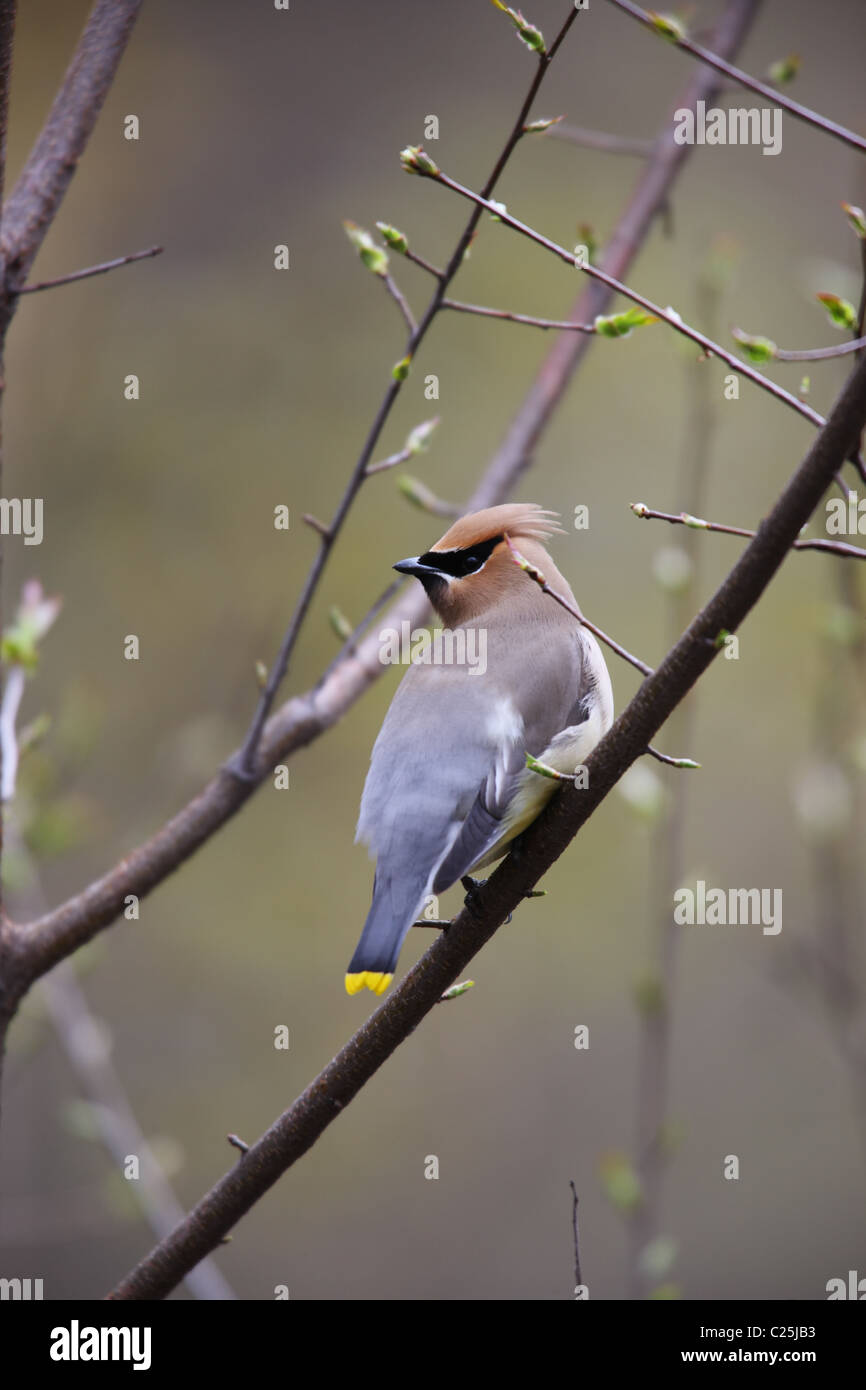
(257, 388)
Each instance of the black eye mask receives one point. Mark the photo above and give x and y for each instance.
(459, 563)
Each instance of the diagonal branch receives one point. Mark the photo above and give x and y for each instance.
(91, 270)
(327, 1096)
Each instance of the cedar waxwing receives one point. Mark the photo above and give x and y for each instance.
(448, 787)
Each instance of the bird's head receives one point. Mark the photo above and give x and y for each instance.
(470, 569)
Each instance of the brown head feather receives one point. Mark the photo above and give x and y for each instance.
(517, 518)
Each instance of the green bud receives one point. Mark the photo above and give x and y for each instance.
(621, 1183)
(544, 769)
(397, 240)
(419, 495)
(656, 1259)
(586, 232)
(536, 127)
(456, 990)
(805, 387)
(526, 32)
(857, 218)
(36, 615)
(668, 26)
(373, 256)
(416, 160)
(669, 1291)
(755, 349)
(621, 325)
(400, 370)
(340, 623)
(418, 440)
(841, 311)
(785, 70)
(649, 996)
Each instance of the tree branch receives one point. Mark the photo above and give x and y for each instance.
(841, 548)
(92, 270)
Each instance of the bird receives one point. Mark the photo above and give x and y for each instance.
(448, 788)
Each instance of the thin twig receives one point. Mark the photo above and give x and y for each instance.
(425, 265)
(670, 761)
(578, 1278)
(742, 79)
(602, 140)
(13, 690)
(402, 456)
(817, 354)
(401, 301)
(852, 552)
(561, 324)
(535, 574)
(92, 270)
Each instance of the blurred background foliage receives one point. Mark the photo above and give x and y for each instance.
(257, 388)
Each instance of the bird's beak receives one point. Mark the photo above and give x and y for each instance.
(413, 566)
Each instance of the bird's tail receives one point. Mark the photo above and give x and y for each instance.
(388, 922)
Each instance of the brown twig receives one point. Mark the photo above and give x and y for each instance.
(852, 552)
(578, 1278)
(402, 303)
(817, 354)
(92, 270)
(602, 140)
(560, 324)
(535, 574)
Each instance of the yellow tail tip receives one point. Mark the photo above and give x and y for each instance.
(368, 979)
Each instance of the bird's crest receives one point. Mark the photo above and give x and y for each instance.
(516, 518)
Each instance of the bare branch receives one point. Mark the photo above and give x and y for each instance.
(817, 354)
(852, 552)
(401, 301)
(535, 574)
(92, 270)
(602, 140)
(561, 324)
